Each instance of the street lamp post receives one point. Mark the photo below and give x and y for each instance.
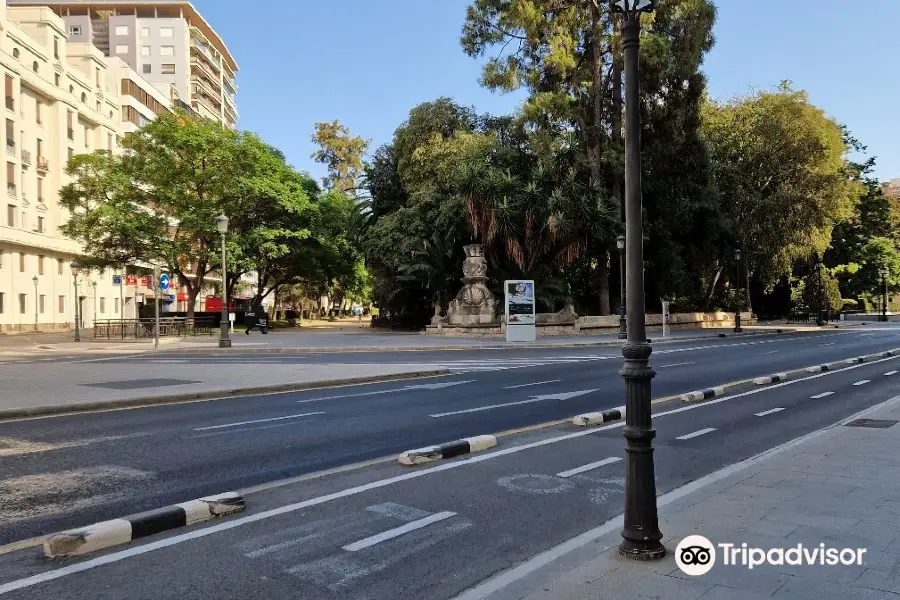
(884, 294)
(738, 287)
(623, 326)
(224, 339)
(76, 266)
(641, 535)
(35, 280)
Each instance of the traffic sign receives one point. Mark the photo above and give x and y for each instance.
(117, 280)
(164, 281)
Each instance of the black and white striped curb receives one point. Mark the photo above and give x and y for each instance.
(448, 450)
(122, 531)
(771, 379)
(703, 394)
(596, 418)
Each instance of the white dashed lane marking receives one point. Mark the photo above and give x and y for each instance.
(590, 467)
(696, 434)
(769, 412)
(890, 373)
(258, 421)
(822, 395)
(862, 382)
(397, 531)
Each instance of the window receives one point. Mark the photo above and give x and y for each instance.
(43, 303)
(22, 303)
(83, 97)
(24, 223)
(10, 102)
(40, 147)
(59, 266)
(116, 305)
(99, 75)
(11, 179)
(71, 89)
(37, 112)
(40, 225)
(70, 117)
(40, 264)
(167, 50)
(56, 79)
(71, 153)
(56, 48)
(109, 141)
(121, 29)
(168, 69)
(146, 69)
(98, 106)
(21, 262)
(35, 66)
(145, 50)
(61, 304)
(74, 29)
(87, 139)
(1, 303)
(166, 32)
(16, 53)
(102, 306)
(145, 32)
(40, 190)
(121, 48)
(11, 215)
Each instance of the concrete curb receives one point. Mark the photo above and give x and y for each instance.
(496, 346)
(703, 394)
(122, 531)
(596, 418)
(777, 377)
(818, 369)
(448, 450)
(60, 409)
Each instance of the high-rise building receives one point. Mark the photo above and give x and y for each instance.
(166, 41)
(892, 188)
(61, 99)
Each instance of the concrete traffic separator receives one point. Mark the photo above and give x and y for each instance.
(703, 394)
(448, 450)
(777, 377)
(98, 405)
(116, 532)
(596, 418)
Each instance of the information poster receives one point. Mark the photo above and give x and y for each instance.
(520, 310)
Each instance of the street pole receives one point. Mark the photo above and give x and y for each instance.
(641, 525)
(738, 289)
(821, 293)
(884, 293)
(156, 299)
(224, 339)
(75, 266)
(35, 280)
(623, 326)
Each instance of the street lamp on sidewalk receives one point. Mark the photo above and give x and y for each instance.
(641, 523)
(738, 288)
(76, 266)
(224, 339)
(820, 321)
(35, 280)
(884, 293)
(623, 326)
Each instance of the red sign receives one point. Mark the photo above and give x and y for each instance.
(130, 280)
(182, 297)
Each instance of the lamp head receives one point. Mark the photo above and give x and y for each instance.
(76, 267)
(35, 279)
(620, 242)
(222, 224)
(737, 254)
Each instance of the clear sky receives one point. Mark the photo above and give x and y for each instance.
(367, 63)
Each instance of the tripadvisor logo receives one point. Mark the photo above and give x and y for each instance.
(695, 555)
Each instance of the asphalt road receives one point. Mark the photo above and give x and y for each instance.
(69, 471)
(387, 532)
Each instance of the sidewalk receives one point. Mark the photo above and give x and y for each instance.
(839, 487)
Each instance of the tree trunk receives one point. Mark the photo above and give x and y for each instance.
(747, 286)
(603, 284)
(711, 290)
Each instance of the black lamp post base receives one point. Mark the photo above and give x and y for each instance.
(224, 343)
(646, 550)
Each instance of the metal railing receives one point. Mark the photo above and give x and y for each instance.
(131, 329)
(26, 157)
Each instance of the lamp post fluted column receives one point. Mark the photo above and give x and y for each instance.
(641, 535)
(738, 290)
(623, 326)
(224, 338)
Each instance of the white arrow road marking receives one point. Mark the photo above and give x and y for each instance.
(562, 396)
(258, 421)
(398, 531)
(769, 412)
(822, 395)
(590, 467)
(696, 433)
(426, 386)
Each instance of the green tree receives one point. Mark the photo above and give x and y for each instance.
(341, 152)
(780, 169)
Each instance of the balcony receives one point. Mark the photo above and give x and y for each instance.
(11, 190)
(26, 158)
(10, 147)
(71, 133)
(206, 55)
(203, 69)
(43, 165)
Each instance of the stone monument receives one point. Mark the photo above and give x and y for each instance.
(474, 304)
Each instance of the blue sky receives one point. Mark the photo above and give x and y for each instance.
(368, 62)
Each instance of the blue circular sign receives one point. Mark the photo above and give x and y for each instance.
(164, 281)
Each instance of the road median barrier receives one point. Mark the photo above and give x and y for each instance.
(776, 378)
(703, 394)
(420, 456)
(597, 418)
(107, 534)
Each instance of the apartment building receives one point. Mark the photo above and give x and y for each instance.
(61, 99)
(166, 41)
(892, 188)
